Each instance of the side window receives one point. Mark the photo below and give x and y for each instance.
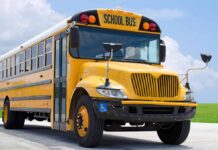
(12, 68)
(22, 62)
(28, 60)
(41, 54)
(48, 52)
(17, 65)
(8, 68)
(4, 69)
(33, 58)
(0, 70)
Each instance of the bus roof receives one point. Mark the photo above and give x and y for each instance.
(106, 18)
(36, 39)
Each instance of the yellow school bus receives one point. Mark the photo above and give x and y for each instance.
(99, 70)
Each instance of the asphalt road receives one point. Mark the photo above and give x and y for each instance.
(38, 136)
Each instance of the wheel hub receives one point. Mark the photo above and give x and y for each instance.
(82, 121)
(5, 114)
(79, 121)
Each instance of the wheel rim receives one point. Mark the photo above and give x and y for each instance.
(5, 114)
(82, 121)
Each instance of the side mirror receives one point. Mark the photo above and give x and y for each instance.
(74, 37)
(162, 51)
(112, 46)
(206, 58)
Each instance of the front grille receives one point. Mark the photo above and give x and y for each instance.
(146, 85)
(167, 86)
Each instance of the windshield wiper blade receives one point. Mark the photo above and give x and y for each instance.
(137, 60)
(101, 59)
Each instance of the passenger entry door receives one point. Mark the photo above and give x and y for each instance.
(60, 73)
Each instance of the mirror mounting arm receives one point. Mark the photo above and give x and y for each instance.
(107, 69)
(110, 47)
(206, 59)
(187, 74)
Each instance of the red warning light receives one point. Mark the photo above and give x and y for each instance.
(153, 26)
(84, 18)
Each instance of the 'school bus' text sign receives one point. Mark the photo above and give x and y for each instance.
(119, 20)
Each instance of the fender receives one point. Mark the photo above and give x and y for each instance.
(90, 83)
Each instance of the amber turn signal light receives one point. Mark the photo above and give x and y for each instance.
(146, 26)
(92, 19)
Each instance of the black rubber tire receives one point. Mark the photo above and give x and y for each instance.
(96, 126)
(11, 122)
(175, 134)
(20, 120)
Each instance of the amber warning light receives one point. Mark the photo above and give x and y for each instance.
(149, 26)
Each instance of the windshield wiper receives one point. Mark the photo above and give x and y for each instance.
(136, 60)
(125, 60)
(101, 59)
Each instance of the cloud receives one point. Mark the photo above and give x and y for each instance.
(22, 19)
(201, 80)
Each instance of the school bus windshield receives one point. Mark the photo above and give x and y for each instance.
(137, 47)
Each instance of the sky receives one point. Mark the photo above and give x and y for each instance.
(188, 28)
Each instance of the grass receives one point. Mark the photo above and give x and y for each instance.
(207, 113)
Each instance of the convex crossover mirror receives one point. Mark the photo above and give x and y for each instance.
(162, 51)
(206, 58)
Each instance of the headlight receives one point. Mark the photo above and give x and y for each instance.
(189, 96)
(114, 93)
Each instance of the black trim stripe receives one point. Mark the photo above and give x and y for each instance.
(38, 97)
(46, 110)
(26, 85)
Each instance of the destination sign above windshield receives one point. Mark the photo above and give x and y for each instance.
(119, 20)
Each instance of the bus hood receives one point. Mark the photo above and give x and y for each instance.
(138, 81)
(122, 68)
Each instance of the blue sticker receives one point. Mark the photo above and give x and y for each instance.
(102, 107)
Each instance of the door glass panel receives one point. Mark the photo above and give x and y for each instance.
(63, 101)
(64, 55)
(57, 103)
(57, 59)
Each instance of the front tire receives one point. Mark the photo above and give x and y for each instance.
(176, 133)
(88, 128)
